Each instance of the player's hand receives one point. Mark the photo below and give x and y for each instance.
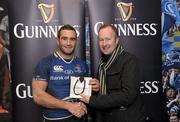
(78, 109)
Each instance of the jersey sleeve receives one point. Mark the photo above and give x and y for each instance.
(41, 71)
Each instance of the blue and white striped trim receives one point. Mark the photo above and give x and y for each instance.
(60, 118)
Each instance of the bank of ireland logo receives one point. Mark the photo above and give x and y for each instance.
(125, 10)
(47, 11)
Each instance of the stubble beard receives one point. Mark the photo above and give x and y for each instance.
(67, 53)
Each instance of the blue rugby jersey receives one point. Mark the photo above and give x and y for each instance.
(56, 71)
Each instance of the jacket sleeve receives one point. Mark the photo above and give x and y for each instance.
(128, 92)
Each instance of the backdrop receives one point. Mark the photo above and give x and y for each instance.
(33, 28)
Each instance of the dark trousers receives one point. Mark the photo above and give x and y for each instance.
(70, 119)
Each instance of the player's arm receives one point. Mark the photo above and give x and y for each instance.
(42, 98)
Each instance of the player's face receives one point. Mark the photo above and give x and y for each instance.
(67, 42)
(107, 40)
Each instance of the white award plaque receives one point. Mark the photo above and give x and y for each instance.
(79, 85)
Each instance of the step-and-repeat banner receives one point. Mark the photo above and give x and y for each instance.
(33, 27)
(138, 22)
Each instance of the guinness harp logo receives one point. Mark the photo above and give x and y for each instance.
(125, 10)
(47, 11)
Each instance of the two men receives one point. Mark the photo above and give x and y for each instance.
(118, 74)
(51, 84)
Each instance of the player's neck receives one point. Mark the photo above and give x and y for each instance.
(65, 56)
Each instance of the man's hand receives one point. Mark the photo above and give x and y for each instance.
(78, 109)
(85, 98)
(95, 84)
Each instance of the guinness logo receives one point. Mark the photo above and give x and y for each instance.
(47, 11)
(125, 10)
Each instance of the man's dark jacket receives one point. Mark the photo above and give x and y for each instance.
(123, 102)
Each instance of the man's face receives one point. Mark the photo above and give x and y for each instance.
(67, 42)
(107, 40)
(173, 119)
